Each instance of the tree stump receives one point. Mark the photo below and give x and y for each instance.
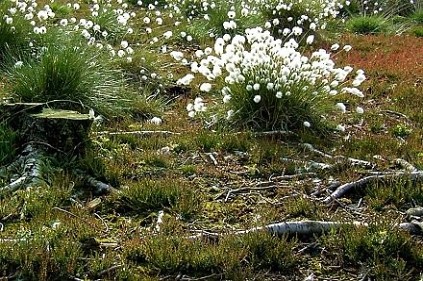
(63, 130)
(48, 132)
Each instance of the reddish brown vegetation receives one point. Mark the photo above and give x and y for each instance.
(398, 59)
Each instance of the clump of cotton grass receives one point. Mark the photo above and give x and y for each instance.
(298, 19)
(106, 24)
(216, 18)
(190, 9)
(386, 8)
(14, 30)
(28, 26)
(265, 84)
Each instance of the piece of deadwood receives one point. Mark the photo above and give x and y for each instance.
(310, 228)
(340, 191)
(63, 130)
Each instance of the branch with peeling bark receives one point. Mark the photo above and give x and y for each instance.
(341, 190)
(98, 187)
(309, 228)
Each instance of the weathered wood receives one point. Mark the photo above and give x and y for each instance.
(341, 190)
(16, 110)
(310, 228)
(31, 159)
(64, 130)
(98, 187)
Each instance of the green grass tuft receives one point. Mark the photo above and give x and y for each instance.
(67, 70)
(387, 253)
(367, 24)
(232, 257)
(154, 195)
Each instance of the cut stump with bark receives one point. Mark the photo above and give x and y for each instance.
(47, 132)
(64, 130)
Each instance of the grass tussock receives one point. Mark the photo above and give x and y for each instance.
(232, 257)
(385, 252)
(67, 70)
(154, 195)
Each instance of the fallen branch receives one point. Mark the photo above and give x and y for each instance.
(341, 190)
(352, 161)
(301, 227)
(273, 133)
(15, 185)
(247, 189)
(108, 270)
(405, 165)
(358, 162)
(309, 165)
(310, 228)
(99, 187)
(416, 211)
(294, 176)
(267, 133)
(314, 150)
(398, 114)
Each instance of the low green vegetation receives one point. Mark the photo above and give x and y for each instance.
(211, 121)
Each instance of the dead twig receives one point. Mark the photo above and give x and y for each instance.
(212, 158)
(137, 133)
(74, 278)
(10, 277)
(398, 114)
(352, 161)
(73, 215)
(187, 278)
(160, 217)
(107, 270)
(247, 189)
(102, 220)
